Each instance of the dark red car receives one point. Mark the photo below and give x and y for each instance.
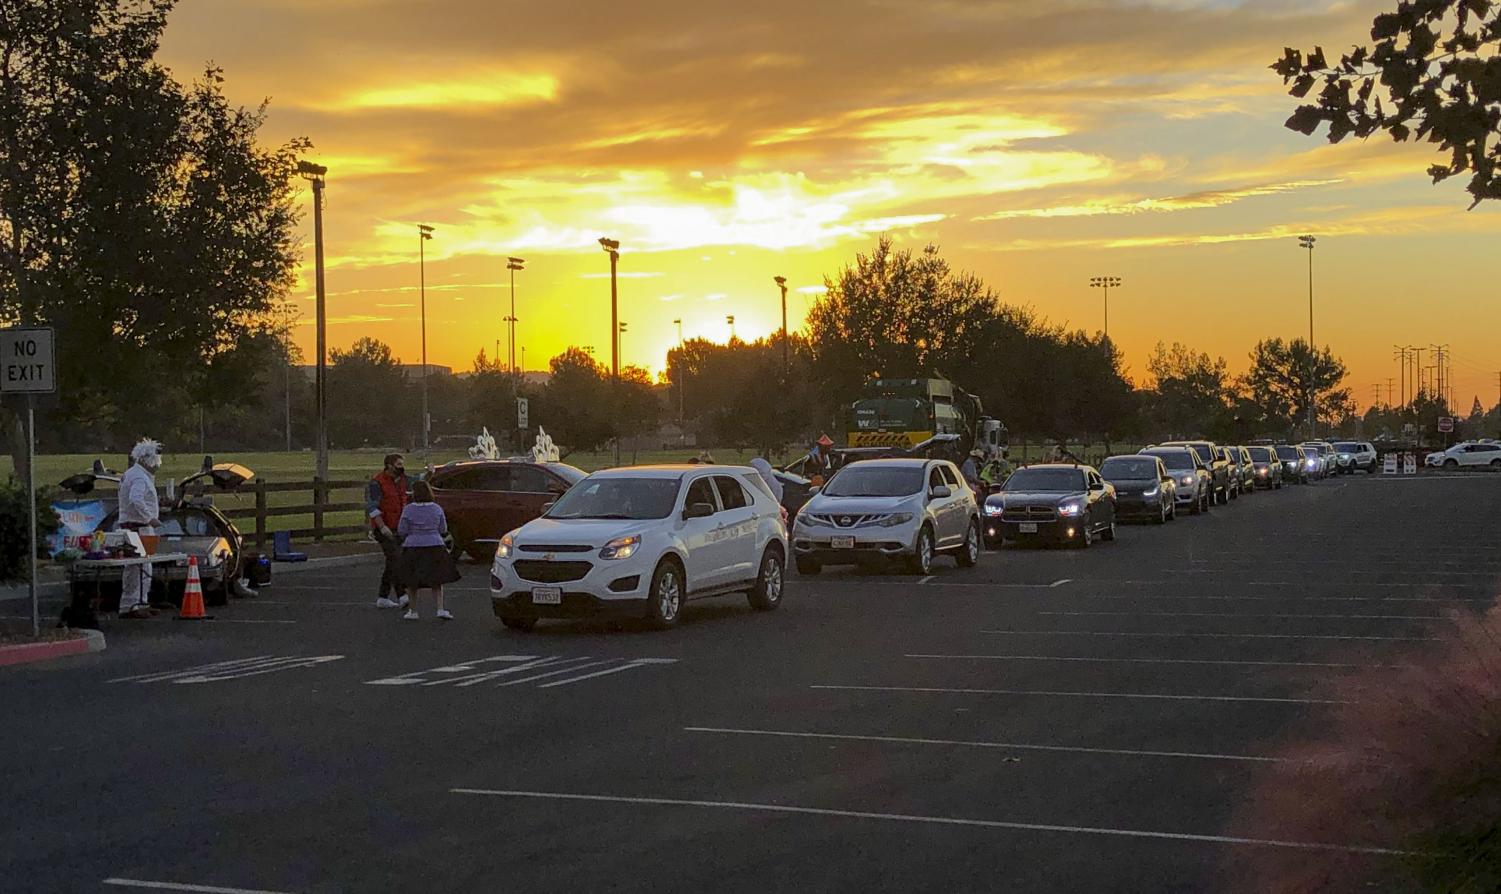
(485, 498)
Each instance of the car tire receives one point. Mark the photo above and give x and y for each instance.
(1086, 539)
(523, 625)
(808, 566)
(1451, 463)
(1496, 463)
(1197, 507)
(665, 598)
(921, 560)
(968, 555)
(770, 581)
(1108, 535)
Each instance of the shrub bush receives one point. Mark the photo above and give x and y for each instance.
(14, 525)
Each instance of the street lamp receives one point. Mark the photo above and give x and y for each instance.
(314, 174)
(1107, 283)
(679, 376)
(1307, 242)
(781, 282)
(731, 320)
(424, 233)
(513, 264)
(612, 248)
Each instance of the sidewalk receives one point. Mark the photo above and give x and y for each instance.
(52, 578)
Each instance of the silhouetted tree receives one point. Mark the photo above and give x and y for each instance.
(1189, 391)
(1284, 375)
(1436, 63)
(369, 398)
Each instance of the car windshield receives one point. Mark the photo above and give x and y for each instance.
(1175, 459)
(875, 481)
(1206, 454)
(186, 523)
(623, 498)
(1057, 481)
(1287, 452)
(1261, 454)
(568, 473)
(1347, 448)
(1122, 468)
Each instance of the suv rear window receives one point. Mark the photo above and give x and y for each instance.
(1348, 447)
(1261, 454)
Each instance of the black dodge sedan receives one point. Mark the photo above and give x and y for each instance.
(1054, 503)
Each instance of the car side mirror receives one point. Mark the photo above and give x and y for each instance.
(697, 510)
(941, 492)
(547, 507)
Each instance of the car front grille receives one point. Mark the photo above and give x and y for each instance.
(550, 572)
(1028, 513)
(560, 548)
(849, 521)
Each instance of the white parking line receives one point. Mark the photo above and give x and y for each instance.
(232, 670)
(1441, 600)
(1065, 694)
(1225, 661)
(1058, 583)
(247, 621)
(177, 886)
(1243, 615)
(1292, 585)
(933, 820)
(1392, 639)
(969, 743)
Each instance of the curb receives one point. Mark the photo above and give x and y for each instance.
(91, 641)
(280, 568)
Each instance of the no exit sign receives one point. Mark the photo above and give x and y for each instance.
(28, 363)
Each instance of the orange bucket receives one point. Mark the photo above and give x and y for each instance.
(149, 543)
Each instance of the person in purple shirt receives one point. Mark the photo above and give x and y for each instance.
(425, 561)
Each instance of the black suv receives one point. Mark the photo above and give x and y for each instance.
(1218, 466)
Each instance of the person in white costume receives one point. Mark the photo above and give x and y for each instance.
(139, 512)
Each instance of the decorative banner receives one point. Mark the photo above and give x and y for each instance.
(79, 520)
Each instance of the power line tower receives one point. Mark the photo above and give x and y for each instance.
(1389, 383)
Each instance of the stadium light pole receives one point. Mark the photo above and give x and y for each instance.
(1307, 242)
(513, 264)
(679, 376)
(731, 320)
(781, 282)
(424, 233)
(314, 174)
(612, 248)
(1107, 283)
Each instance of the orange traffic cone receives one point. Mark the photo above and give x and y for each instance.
(192, 595)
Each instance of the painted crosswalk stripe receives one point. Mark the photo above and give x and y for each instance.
(231, 670)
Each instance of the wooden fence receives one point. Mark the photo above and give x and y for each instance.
(320, 506)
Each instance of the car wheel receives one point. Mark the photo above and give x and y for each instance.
(968, 555)
(1496, 463)
(1086, 539)
(524, 625)
(1109, 533)
(767, 594)
(808, 566)
(665, 598)
(1450, 463)
(921, 561)
(1197, 507)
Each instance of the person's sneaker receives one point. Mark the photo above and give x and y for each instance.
(404, 601)
(445, 615)
(383, 602)
(409, 616)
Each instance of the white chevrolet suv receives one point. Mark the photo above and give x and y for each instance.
(640, 542)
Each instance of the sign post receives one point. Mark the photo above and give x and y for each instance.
(28, 365)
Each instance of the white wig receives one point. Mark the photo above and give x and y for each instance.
(147, 453)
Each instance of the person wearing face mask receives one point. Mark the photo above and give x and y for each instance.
(385, 498)
(139, 512)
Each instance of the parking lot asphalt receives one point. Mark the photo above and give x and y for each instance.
(1052, 720)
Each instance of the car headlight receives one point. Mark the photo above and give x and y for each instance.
(506, 545)
(1070, 509)
(621, 547)
(894, 519)
(1313, 464)
(1261, 472)
(1188, 479)
(806, 519)
(993, 508)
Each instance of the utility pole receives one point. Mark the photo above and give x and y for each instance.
(424, 233)
(1307, 242)
(1417, 368)
(612, 248)
(1439, 352)
(1376, 395)
(1401, 357)
(781, 282)
(314, 174)
(1389, 383)
(1107, 283)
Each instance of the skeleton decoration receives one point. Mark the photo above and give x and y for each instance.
(544, 451)
(484, 446)
(147, 453)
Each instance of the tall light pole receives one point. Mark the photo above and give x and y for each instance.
(1107, 283)
(424, 233)
(513, 264)
(620, 336)
(1307, 242)
(781, 282)
(612, 248)
(731, 320)
(679, 375)
(314, 174)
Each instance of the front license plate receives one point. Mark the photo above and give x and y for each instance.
(1027, 528)
(547, 595)
(842, 542)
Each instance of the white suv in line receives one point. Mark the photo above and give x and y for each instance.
(1467, 453)
(881, 509)
(1357, 455)
(640, 542)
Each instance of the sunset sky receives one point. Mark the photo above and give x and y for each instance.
(1037, 143)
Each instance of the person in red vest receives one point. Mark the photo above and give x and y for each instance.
(385, 497)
